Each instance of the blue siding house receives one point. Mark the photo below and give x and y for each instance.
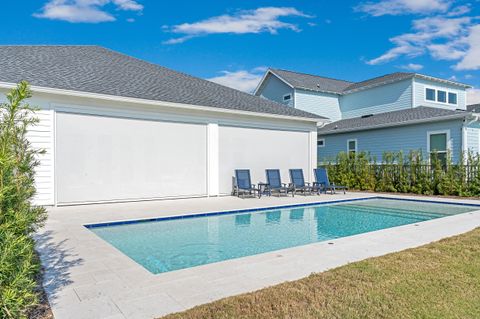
(395, 112)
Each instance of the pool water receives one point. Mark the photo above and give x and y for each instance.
(172, 244)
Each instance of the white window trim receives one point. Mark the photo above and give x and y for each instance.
(356, 145)
(449, 142)
(323, 140)
(285, 95)
(436, 95)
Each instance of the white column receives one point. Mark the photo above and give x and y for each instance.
(212, 160)
(313, 155)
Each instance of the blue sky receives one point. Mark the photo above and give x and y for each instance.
(232, 42)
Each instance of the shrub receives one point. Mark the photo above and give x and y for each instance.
(19, 219)
(411, 173)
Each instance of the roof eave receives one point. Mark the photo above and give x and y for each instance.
(117, 98)
(431, 78)
(319, 91)
(373, 127)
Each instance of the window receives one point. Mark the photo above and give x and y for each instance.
(452, 98)
(321, 142)
(430, 95)
(438, 146)
(287, 97)
(352, 146)
(441, 96)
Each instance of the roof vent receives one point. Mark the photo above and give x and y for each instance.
(367, 115)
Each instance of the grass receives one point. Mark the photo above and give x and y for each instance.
(439, 280)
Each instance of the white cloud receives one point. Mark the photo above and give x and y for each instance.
(444, 38)
(473, 96)
(242, 80)
(266, 19)
(85, 11)
(400, 7)
(412, 67)
(471, 58)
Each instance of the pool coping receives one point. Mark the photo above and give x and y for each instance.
(250, 210)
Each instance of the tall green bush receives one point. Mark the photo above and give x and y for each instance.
(410, 173)
(19, 219)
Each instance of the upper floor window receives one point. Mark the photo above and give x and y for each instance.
(430, 94)
(287, 97)
(452, 98)
(440, 96)
(321, 142)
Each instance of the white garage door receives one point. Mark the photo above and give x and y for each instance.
(259, 149)
(104, 158)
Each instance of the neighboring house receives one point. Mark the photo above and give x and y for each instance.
(398, 111)
(475, 108)
(116, 128)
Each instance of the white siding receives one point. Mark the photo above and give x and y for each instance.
(323, 104)
(42, 137)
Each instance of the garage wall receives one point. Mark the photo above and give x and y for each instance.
(109, 158)
(258, 149)
(42, 137)
(192, 153)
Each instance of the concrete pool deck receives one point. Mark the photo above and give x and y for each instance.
(85, 277)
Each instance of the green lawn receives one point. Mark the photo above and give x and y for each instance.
(440, 280)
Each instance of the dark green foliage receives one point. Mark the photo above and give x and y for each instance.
(19, 265)
(411, 173)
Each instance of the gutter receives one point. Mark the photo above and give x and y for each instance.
(380, 126)
(115, 98)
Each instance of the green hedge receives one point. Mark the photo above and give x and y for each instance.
(407, 173)
(19, 265)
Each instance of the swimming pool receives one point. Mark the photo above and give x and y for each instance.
(167, 244)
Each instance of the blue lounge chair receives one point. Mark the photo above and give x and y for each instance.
(322, 182)
(243, 183)
(298, 182)
(275, 184)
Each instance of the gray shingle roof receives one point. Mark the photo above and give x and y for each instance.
(312, 82)
(474, 108)
(95, 69)
(395, 118)
(388, 78)
(323, 84)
